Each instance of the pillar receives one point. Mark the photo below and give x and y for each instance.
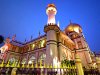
(13, 72)
(51, 46)
(98, 63)
(78, 65)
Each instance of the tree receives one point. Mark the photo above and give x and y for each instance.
(1, 39)
(66, 62)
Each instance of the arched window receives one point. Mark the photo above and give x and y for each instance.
(13, 60)
(64, 56)
(79, 44)
(24, 61)
(42, 43)
(42, 57)
(36, 45)
(32, 60)
(33, 46)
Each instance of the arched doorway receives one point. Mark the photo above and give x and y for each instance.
(32, 60)
(24, 61)
(42, 57)
(13, 60)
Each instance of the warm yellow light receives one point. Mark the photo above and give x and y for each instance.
(50, 52)
(55, 63)
(33, 46)
(42, 43)
(30, 62)
(76, 30)
(23, 61)
(4, 48)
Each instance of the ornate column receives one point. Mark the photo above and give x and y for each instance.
(51, 47)
(98, 63)
(78, 65)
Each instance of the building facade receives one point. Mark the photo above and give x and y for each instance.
(52, 47)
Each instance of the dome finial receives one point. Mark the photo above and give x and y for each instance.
(70, 21)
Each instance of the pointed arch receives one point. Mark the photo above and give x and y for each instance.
(42, 56)
(13, 60)
(32, 59)
(24, 61)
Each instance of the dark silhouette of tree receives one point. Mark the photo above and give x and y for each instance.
(1, 39)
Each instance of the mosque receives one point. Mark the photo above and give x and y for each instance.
(52, 47)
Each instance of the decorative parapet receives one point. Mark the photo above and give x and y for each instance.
(51, 27)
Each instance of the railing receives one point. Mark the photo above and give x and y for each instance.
(38, 71)
(68, 70)
(43, 69)
(30, 69)
(91, 71)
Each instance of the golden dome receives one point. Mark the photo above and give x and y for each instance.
(73, 27)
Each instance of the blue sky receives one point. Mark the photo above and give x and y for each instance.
(26, 18)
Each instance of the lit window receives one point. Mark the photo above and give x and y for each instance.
(13, 60)
(31, 60)
(42, 43)
(24, 61)
(42, 57)
(33, 46)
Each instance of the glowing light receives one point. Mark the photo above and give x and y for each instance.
(24, 61)
(94, 65)
(4, 48)
(42, 43)
(51, 12)
(51, 19)
(58, 24)
(55, 62)
(30, 62)
(76, 30)
(33, 46)
(50, 52)
(58, 64)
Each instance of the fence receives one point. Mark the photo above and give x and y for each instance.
(38, 71)
(47, 70)
(91, 71)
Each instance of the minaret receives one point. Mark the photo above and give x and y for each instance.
(51, 30)
(51, 12)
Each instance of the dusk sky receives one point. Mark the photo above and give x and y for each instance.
(26, 18)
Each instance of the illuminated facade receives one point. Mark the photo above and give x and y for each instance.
(52, 47)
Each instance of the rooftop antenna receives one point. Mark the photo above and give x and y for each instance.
(25, 40)
(70, 21)
(31, 37)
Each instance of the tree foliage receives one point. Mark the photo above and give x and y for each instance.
(67, 62)
(1, 39)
